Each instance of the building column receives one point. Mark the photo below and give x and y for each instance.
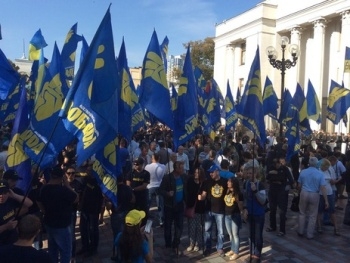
(230, 62)
(318, 69)
(292, 74)
(345, 42)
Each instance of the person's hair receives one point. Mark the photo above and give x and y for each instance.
(156, 156)
(235, 186)
(212, 154)
(69, 167)
(28, 227)
(226, 151)
(177, 164)
(224, 164)
(247, 155)
(201, 174)
(325, 163)
(130, 243)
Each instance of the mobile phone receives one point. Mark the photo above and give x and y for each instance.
(148, 226)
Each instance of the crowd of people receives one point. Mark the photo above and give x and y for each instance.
(214, 183)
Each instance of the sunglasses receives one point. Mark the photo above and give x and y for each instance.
(70, 173)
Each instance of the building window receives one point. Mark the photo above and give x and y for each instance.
(243, 50)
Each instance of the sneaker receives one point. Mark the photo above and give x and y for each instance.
(221, 252)
(190, 248)
(196, 248)
(230, 253)
(234, 257)
(206, 252)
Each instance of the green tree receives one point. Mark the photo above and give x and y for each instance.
(202, 55)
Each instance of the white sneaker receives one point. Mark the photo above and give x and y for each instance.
(196, 248)
(190, 248)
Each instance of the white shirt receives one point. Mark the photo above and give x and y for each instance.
(183, 158)
(157, 172)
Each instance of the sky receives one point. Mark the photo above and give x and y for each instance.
(180, 20)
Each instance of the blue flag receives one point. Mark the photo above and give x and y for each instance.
(299, 102)
(313, 104)
(164, 52)
(17, 158)
(106, 169)
(230, 109)
(90, 110)
(347, 60)
(292, 133)
(201, 84)
(155, 95)
(286, 101)
(186, 114)
(9, 106)
(131, 116)
(69, 51)
(84, 49)
(9, 77)
(46, 129)
(270, 101)
(250, 109)
(35, 45)
(338, 102)
(173, 99)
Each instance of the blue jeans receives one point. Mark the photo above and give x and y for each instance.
(233, 224)
(208, 222)
(159, 200)
(59, 242)
(256, 226)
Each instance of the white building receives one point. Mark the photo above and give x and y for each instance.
(321, 29)
(174, 63)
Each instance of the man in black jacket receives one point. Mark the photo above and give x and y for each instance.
(173, 189)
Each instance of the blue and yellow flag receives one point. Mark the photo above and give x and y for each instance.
(84, 49)
(69, 51)
(299, 102)
(155, 95)
(107, 168)
(201, 84)
(35, 45)
(286, 101)
(16, 157)
(186, 114)
(164, 52)
(292, 133)
(338, 102)
(9, 77)
(230, 109)
(313, 104)
(347, 60)
(9, 106)
(270, 101)
(131, 116)
(250, 110)
(212, 108)
(90, 110)
(46, 128)
(173, 99)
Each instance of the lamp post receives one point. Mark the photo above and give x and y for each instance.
(283, 64)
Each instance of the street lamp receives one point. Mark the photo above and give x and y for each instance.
(283, 64)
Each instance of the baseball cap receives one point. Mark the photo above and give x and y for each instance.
(4, 186)
(213, 168)
(11, 175)
(56, 172)
(139, 161)
(134, 217)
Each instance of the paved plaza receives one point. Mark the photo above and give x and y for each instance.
(325, 247)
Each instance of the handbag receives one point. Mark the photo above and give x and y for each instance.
(295, 203)
(190, 211)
